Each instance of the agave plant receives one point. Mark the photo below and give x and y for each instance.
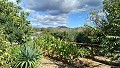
(27, 57)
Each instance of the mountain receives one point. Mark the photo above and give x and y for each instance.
(62, 27)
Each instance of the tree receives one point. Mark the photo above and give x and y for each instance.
(112, 23)
(13, 19)
(14, 27)
(109, 26)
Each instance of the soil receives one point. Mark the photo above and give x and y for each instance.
(50, 63)
(93, 64)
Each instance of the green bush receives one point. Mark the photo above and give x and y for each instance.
(27, 57)
(61, 49)
(68, 36)
(81, 38)
(13, 19)
(5, 57)
(111, 47)
(56, 46)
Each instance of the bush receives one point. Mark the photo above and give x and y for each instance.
(111, 47)
(5, 57)
(81, 38)
(61, 35)
(16, 27)
(57, 47)
(66, 35)
(84, 52)
(27, 57)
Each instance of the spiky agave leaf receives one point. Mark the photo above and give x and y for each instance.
(27, 57)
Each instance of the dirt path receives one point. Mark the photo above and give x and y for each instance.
(94, 64)
(49, 63)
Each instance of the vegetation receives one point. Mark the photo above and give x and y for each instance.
(4, 49)
(105, 33)
(15, 32)
(109, 27)
(57, 47)
(13, 19)
(18, 50)
(82, 38)
(27, 57)
(60, 49)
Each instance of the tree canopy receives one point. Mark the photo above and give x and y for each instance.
(111, 26)
(14, 22)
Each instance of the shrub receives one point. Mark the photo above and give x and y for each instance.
(111, 47)
(81, 38)
(13, 20)
(5, 57)
(27, 57)
(66, 35)
(84, 52)
(61, 49)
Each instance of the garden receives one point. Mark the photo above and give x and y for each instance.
(70, 46)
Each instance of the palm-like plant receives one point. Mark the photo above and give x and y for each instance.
(27, 57)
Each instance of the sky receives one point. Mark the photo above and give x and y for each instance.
(53, 13)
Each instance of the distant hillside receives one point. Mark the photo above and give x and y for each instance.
(62, 27)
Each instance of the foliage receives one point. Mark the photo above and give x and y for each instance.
(84, 52)
(15, 28)
(27, 57)
(108, 28)
(14, 22)
(61, 35)
(109, 22)
(61, 49)
(111, 26)
(112, 49)
(97, 37)
(5, 57)
(82, 38)
(57, 47)
(66, 36)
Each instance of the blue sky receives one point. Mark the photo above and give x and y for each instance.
(52, 13)
(78, 19)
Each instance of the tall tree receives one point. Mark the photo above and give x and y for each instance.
(16, 27)
(109, 27)
(112, 11)
(110, 22)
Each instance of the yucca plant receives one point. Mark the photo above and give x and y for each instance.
(27, 57)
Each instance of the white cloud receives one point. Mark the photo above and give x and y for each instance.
(62, 6)
(57, 10)
(40, 20)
